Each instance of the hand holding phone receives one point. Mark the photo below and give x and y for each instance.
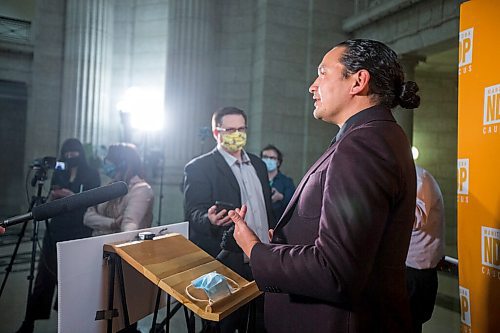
(217, 214)
(220, 205)
(58, 192)
(276, 195)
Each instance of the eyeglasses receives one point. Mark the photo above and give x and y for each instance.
(270, 157)
(242, 129)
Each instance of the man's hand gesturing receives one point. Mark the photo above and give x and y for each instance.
(243, 235)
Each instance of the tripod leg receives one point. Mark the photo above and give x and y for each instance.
(13, 257)
(34, 243)
(44, 284)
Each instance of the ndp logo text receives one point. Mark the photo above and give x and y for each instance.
(491, 112)
(490, 247)
(465, 47)
(463, 176)
(465, 307)
(466, 41)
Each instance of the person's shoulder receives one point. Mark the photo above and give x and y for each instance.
(202, 159)
(255, 160)
(91, 174)
(378, 141)
(376, 131)
(285, 177)
(252, 155)
(202, 162)
(361, 134)
(140, 185)
(425, 175)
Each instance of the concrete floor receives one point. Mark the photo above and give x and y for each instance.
(13, 300)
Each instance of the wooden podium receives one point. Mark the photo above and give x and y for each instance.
(171, 262)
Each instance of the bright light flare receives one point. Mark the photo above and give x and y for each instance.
(415, 153)
(145, 107)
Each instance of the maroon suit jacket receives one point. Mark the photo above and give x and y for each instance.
(337, 258)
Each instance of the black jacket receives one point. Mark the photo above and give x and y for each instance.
(208, 178)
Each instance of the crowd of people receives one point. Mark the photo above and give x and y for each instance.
(134, 211)
(353, 248)
(130, 212)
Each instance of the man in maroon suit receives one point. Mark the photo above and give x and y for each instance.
(336, 262)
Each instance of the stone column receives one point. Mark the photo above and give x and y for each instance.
(404, 117)
(189, 87)
(88, 40)
(44, 90)
(189, 78)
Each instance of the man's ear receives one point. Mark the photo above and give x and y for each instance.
(361, 82)
(215, 133)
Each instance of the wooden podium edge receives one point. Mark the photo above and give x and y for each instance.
(214, 312)
(217, 310)
(247, 293)
(116, 248)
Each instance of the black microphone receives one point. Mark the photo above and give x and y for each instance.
(223, 254)
(81, 200)
(228, 244)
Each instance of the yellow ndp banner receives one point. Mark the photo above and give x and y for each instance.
(478, 166)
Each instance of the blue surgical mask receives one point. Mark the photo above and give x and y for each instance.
(270, 164)
(214, 284)
(109, 169)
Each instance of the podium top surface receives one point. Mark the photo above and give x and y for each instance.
(171, 262)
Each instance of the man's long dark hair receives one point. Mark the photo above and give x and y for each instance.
(386, 73)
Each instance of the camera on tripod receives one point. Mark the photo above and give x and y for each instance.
(48, 162)
(43, 164)
(40, 167)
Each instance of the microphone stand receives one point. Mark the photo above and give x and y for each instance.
(162, 171)
(39, 178)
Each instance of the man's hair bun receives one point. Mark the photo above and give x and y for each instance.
(408, 97)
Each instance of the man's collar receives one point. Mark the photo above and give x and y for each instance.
(230, 159)
(376, 112)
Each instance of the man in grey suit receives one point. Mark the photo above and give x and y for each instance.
(336, 262)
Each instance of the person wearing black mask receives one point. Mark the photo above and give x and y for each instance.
(76, 177)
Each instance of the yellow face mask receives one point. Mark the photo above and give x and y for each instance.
(234, 141)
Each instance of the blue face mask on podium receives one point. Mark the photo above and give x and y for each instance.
(214, 284)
